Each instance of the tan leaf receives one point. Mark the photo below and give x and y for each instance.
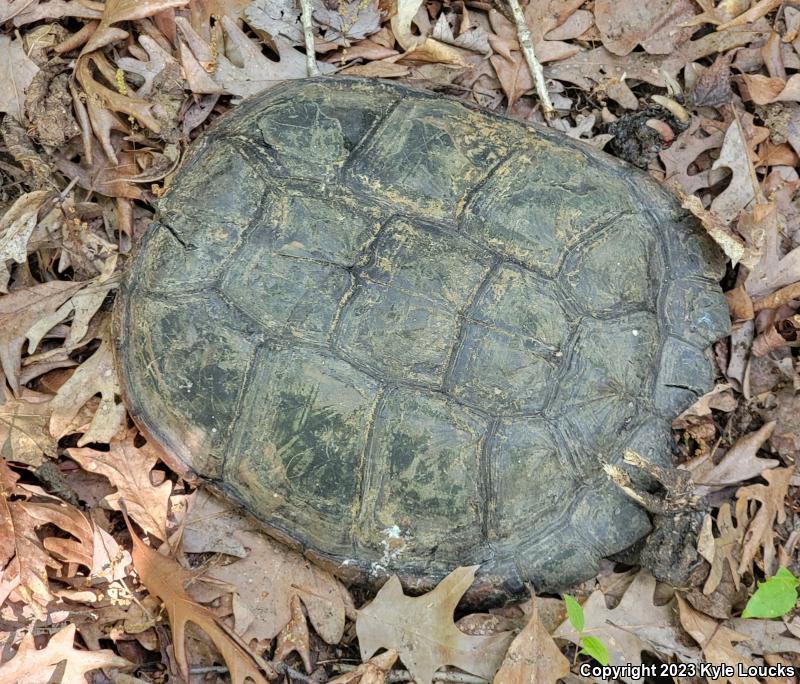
(82, 308)
(268, 576)
(115, 11)
(16, 73)
(128, 468)
(743, 188)
(19, 311)
(533, 655)
(760, 532)
(24, 558)
(422, 631)
(102, 102)
(257, 73)
(654, 24)
(17, 224)
(58, 661)
(109, 560)
(599, 68)
(374, 671)
(725, 550)
(96, 375)
(30, 12)
(165, 580)
(294, 637)
(24, 436)
(634, 625)
(732, 245)
(716, 641)
(740, 462)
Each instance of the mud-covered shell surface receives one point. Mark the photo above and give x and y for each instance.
(406, 334)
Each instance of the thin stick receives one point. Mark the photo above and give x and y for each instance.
(524, 38)
(308, 35)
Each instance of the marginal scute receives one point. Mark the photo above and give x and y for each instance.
(607, 382)
(299, 441)
(188, 360)
(407, 334)
(231, 184)
(683, 375)
(532, 480)
(600, 502)
(326, 122)
(617, 270)
(696, 312)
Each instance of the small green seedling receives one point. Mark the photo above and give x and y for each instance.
(591, 646)
(773, 598)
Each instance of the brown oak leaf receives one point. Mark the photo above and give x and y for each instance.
(422, 631)
(129, 467)
(760, 531)
(58, 661)
(24, 558)
(24, 436)
(265, 578)
(19, 311)
(96, 375)
(533, 655)
(166, 580)
(634, 625)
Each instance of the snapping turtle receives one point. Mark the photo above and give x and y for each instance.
(406, 334)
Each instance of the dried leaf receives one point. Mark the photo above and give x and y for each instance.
(128, 468)
(256, 73)
(741, 191)
(24, 558)
(17, 224)
(713, 87)
(276, 18)
(16, 73)
(24, 436)
(634, 625)
(741, 462)
(59, 659)
(374, 671)
(425, 48)
(96, 375)
(268, 577)
(115, 11)
(624, 25)
(422, 630)
(294, 637)
(732, 245)
(165, 580)
(716, 641)
(19, 311)
(760, 532)
(724, 550)
(533, 655)
(600, 68)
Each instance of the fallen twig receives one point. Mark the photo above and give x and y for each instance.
(308, 36)
(525, 43)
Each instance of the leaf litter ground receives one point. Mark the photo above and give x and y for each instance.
(98, 102)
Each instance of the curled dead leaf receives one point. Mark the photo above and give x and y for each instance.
(165, 580)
